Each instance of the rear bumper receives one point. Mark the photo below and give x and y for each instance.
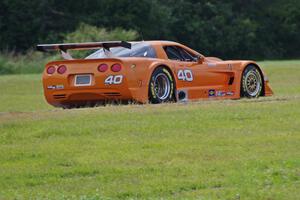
(60, 98)
(63, 97)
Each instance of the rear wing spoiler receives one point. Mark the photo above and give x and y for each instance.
(82, 46)
(63, 48)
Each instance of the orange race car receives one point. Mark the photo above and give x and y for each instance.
(146, 71)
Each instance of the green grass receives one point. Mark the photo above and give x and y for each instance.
(241, 149)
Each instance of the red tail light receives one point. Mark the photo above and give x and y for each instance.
(116, 68)
(62, 69)
(51, 70)
(102, 67)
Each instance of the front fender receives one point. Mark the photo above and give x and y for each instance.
(267, 90)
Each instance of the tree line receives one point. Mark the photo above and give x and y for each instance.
(253, 29)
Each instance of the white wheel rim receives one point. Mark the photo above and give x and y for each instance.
(162, 86)
(252, 83)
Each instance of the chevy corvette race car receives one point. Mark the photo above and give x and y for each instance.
(146, 71)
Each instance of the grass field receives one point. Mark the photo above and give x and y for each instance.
(241, 149)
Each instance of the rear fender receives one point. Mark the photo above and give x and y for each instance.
(141, 93)
(155, 65)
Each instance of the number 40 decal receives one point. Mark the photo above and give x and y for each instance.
(114, 80)
(185, 75)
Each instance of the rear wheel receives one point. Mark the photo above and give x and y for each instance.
(252, 82)
(161, 87)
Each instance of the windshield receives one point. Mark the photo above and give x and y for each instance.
(141, 49)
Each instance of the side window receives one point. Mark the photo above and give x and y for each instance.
(178, 53)
(173, 53)
(186, 55)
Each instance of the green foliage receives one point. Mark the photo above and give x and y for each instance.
(88, 33)
(229, 29)
(241, 149)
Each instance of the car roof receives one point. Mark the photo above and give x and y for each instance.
(170, 43)
(160, 43)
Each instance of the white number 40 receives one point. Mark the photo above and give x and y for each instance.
(114, 80)
(185, 75)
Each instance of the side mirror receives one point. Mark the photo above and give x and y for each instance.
(200, 59)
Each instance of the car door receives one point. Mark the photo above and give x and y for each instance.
(190, 74)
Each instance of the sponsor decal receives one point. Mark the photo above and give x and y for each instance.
(56, 87)
(60, 87)
(51, 87)
(185, 75)
(221, 93)
(211, 64)
(211, 93)
(230, 93)
(113, 80)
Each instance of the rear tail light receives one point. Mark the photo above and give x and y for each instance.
(102, 67)
(62, 69)
(116, 68)
(51, 70)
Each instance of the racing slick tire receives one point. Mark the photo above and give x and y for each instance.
(161, 87)
(252, 82)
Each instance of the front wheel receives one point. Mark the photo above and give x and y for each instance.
(161, 87)
(252, 83)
